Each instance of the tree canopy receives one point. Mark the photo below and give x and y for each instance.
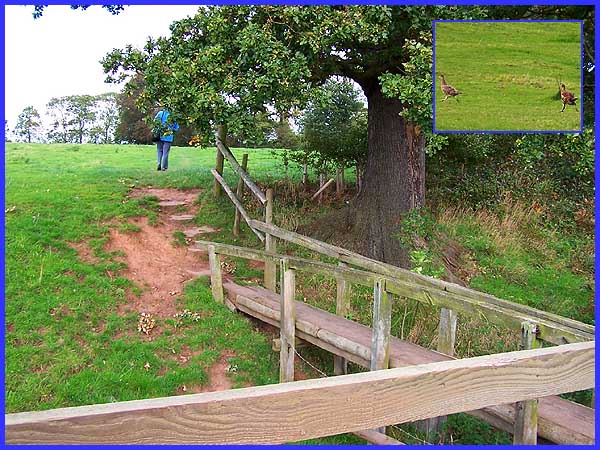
(229, 63)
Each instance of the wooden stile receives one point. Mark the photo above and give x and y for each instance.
(239, 193)
(216, 278)
(288, 323)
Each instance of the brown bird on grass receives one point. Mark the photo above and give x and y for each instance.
(448, 90)
(567, 98)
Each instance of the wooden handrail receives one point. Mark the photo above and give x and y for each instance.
(241, 172)
(583, 330)
(311, 408)
(236, 202)
(502, 313)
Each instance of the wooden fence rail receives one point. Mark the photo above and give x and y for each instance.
(294, 411)
(236, 202)
(241, 172)
(506, 313)
(552, 327)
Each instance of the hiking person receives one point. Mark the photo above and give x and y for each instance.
(163, 136)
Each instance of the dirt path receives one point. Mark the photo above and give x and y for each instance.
(154, 263)
(161, 268)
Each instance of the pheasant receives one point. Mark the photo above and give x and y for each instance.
(448, 90)
(567, 98)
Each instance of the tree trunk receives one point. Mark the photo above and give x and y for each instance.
(394, 178)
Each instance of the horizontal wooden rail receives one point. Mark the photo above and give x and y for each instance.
(507, 314)
(236, 202)
(241, 172)
(568, 330)
(309, 409)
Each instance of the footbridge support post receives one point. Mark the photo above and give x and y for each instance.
(288, 323)
(382, 324)
(526, 412)
(270, 273)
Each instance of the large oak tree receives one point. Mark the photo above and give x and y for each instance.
(228, 63)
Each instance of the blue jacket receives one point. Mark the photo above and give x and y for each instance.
(163, 115)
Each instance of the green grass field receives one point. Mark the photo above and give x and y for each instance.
(508, 74)
(67, 344)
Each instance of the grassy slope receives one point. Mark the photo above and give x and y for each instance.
(65, 193)
(55, 302)
(508, 73)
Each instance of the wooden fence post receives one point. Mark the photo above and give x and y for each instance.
(382, 322)
(304, 174)
(222, 136)
(321, 183)
(445, 345)
(526, 413)
(288, 323)
(342, 306)
(216, 278)
(339, 182)
(270, 274)
(239, 192)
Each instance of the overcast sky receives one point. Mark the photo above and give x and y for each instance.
(59, 53)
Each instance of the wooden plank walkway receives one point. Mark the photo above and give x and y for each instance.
(560, 421)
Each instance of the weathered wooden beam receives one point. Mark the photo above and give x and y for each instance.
(288, 323)
(221, 134)
(578, 427)
(236, 202)
(242, 173)
(526, 412)
(216, 277)
(575, 330)
(239, 193)
(325, 186)
(310, 408)
(270, 271)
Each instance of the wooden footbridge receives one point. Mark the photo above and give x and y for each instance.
(516, 391)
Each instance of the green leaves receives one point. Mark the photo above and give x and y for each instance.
(334, 127)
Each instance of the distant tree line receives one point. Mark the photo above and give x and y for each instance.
(74, 118)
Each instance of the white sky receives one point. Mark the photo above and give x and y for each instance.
(59, 53)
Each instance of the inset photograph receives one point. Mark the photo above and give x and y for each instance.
(522, 76)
